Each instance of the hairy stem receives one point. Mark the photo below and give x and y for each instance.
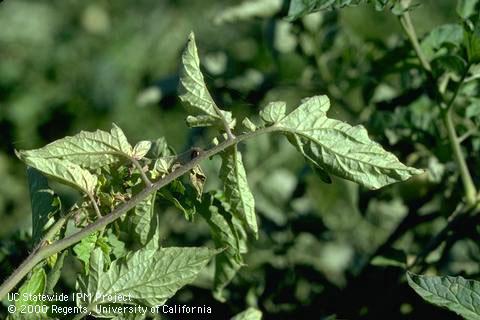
(45, 251)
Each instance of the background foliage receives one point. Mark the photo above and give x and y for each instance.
(323, 249)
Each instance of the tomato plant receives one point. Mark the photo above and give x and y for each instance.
(260, 240)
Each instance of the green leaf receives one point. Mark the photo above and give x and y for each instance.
(84, 249)
(341, 149)
(273, 112)
(299, 8)
(247, 123)
(160, 148)
(141, 149)
(87, 149)
(459, 295)
(143, 219)
(447, 34)
(194, 92)
(41, 198)
(249, 314)
(34, 285)
(237, 191)
(55, 273)
(248, 10)
(228, 233)
(149, 277)
(472, 44)
(449, 62)
(473, 109)
(209, 121)
(391, 258)
(64, 171)
(465, 8)
(130, 316)
(179, 196)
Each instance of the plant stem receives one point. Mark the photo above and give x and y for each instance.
(95, 205)
(468, 185)
(145, 179)
(226, 125)
(45, 251)
(445, 106)
(409, 29)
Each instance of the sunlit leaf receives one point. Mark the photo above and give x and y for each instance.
(149, 277)
(273, 112)
(141, 149)
(341, 149)
(229, 234)
(143, 219)
(87, 149)
(194, 92)
(237, 191)
(65, 172)
(459, 295)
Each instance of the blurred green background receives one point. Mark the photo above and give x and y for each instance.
(69, 65)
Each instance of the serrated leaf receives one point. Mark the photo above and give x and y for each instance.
(87, 149)
(248, 10)
(459, 295)
(149, 277)
(41, 199)
(84, 248)
(64, 171)
(273, 112)
(143, 219)
(34, 285)
(237, 191)
(249, 314)
(141, 149)
(341, 149)
(194, 92)
(228, 233)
